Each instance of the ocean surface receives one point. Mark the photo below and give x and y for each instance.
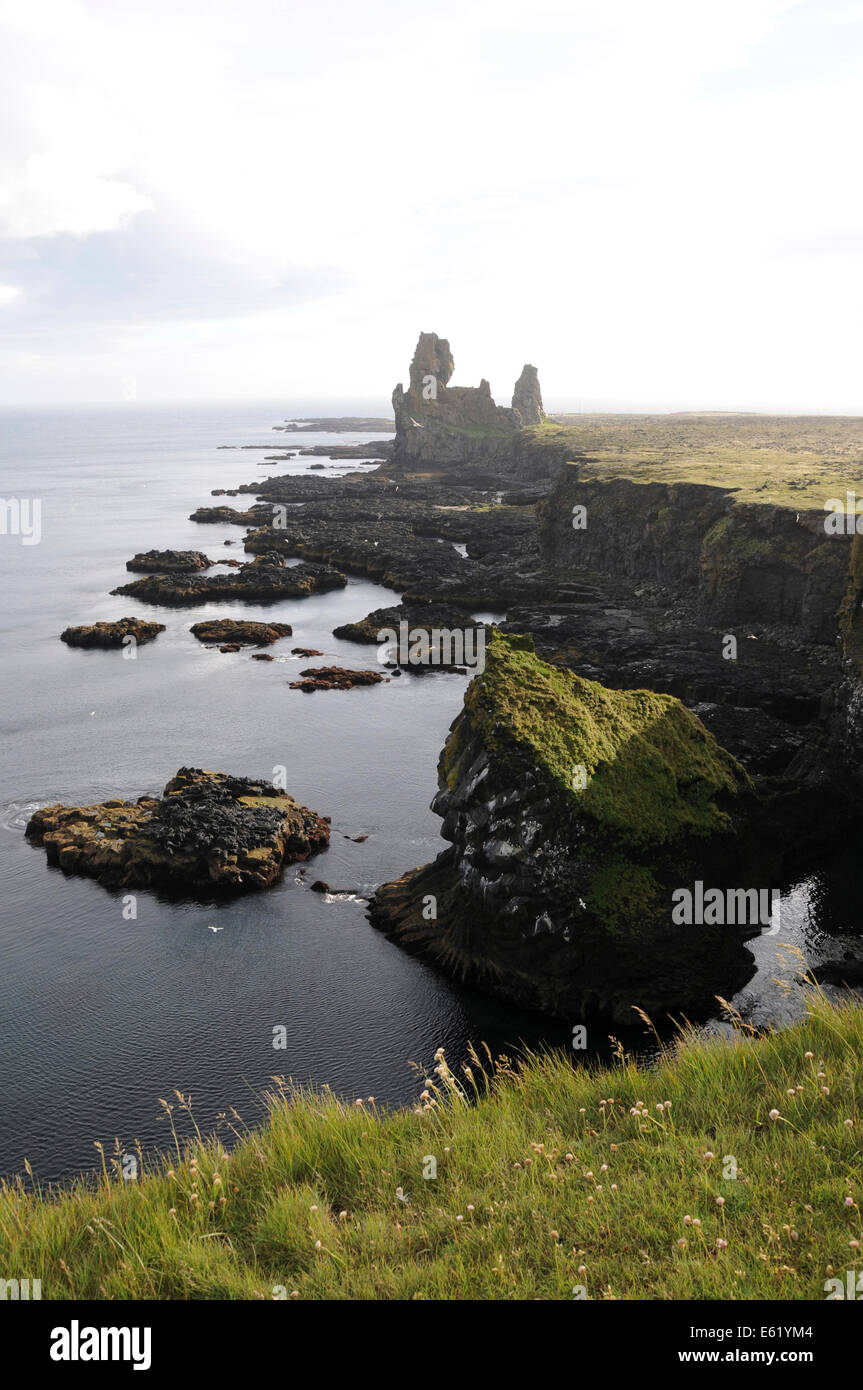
(101, 1016)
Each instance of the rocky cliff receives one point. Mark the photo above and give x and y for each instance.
(573, 813)
(440, 425)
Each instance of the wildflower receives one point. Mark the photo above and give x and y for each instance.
(295, 1293)
(687, 1220)
(660, 1107)
(171, 1173)
(469, 1206)
(855, 1244)
(555, 1235)
(849, 1201)
(774, 1115)
(317, 1245)
(172, 1211)
(604, 1168)
(217, 1181)
(681, 1244)
(446, 1148)
(696, 1220)
(809, 1054)
(791, 1092)
(343, 1216)
(825, 1090)
(359, 1100)
(459, 1218)
(614, 1148)
(582, 1269)
(212, 1206)
(614, 1187)
(849, 1123)
(312, 1208)
(569, 1157)
(667, 1104)
(588, 1174)
(722, 1245)
(708, 1154)
(720, 1201)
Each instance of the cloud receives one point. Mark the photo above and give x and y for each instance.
(207, 193)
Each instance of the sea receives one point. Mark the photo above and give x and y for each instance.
(104, 1016)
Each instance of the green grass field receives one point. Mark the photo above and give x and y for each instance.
(730, 1169)
(796, 461)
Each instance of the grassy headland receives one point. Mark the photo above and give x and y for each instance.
(549, 1180)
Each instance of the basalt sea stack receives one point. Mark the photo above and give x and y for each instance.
(573, 813)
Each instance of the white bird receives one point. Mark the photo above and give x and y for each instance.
(92, 712)
(416, 423)
(215, 928)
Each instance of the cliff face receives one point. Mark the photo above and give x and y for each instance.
(573, 812)
(743, 562)
(439, 424)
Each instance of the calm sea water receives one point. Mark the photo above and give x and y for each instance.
(100, 1015)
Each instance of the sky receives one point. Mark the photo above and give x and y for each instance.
(659, 205)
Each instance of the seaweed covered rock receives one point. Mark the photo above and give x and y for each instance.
(235, 631)
(209, 830)
(112, 634)
(335, 678)
(574, 814)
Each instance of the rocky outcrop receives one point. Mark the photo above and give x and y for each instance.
(439, 424)
(423, 616)
(573, 813)
(335, 678)
(167, 561)
(266, 579)
(527, 398)
(112, 634)
(239, 633)
(208, 830)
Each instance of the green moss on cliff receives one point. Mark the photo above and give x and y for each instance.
(653, 771)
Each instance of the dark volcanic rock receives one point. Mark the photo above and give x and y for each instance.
(335, 678)
(266, 579)
(574, 813)
(437, 423)
(305, 651)
(209, 830)
(237, 631)
(112, 634)
(424, 616)
(167, 561)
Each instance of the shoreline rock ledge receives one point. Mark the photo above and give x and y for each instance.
(574, 812)
(208, 831)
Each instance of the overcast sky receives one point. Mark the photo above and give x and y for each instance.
(656, 203)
